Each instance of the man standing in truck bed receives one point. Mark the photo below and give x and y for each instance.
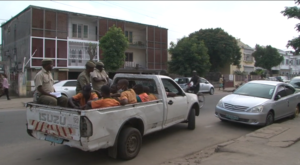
(84, 77)
(99, 77)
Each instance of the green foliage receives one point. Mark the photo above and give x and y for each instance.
(238, 72)
(293, 12)
(189, 54)
(222, 47)
(267, 57)
(113, 44)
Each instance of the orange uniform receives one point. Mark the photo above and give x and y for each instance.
(79, 97)
(129, 95)
(144, 97)
(152, 97)
(103, 103)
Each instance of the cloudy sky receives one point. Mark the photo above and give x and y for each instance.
(254, 22)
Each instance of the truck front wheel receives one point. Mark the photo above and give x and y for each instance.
(129, 144)
(192, 119)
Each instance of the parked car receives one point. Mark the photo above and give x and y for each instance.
(282, 79)
(295, 82)
(66, 87)
(259, 103)
(205, 85)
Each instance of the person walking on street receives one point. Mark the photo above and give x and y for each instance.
(43, 81)
(99, 77)
(221, 82)
(224, 82)
(5, 86)
(84, 77)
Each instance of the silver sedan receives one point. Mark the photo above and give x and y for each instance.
(259, 103)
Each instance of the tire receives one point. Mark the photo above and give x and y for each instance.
(201, 99)
(269, 118)
(129, 143)
(192, 119)
(211, 91)
(296, 113)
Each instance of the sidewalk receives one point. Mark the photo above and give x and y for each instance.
(15, 102)
(272, 145)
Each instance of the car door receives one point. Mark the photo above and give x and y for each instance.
(69, 88)
(281, 102)
(176, 106)
(204, 87)
(292, 100)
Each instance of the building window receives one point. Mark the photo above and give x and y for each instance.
(248, 58)
(74, 30)
(128, 35)
(85, 31)
(129, 57)
(286, 62)
(77, 31)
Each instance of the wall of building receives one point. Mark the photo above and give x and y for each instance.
(139, 57)
(89, 21)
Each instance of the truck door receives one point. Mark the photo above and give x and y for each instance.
(177, 105)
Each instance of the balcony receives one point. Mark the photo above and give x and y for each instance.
(132, 65)
(138, 45)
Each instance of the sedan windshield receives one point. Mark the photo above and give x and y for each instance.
(295, 83)
(256, 90)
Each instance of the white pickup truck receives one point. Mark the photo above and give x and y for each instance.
(120, 129)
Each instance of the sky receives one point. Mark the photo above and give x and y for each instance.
(254, 22)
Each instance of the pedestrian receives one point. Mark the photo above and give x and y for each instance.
(1, 85)
(245, 80)
(221, 82)
(5, 86)
(224, 82)
(84, 77)
(99, 77)
(44, 89)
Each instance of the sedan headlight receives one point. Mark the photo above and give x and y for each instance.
(257, 109)
(220, 104)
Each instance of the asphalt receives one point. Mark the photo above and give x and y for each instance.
(275, 144)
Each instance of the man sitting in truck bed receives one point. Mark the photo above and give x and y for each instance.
(83, 97)
(127, 96)
(141, 96)
(151, 96)
(105, 101)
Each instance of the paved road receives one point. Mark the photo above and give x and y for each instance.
(16, 147)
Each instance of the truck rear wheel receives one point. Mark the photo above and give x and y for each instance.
(192, 119)
(129, 144)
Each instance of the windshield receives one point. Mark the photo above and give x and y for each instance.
(295, 83)
(256, 90)
(181, 80)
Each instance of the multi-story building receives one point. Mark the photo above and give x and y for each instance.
(37, 33)
(247, 61)
(290, 65)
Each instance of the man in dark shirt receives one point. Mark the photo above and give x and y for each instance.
(196, 82)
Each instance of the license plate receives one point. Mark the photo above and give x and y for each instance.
(54, 139)
(232, 117)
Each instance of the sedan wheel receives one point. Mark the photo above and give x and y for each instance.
(269, 119)
(211, 91)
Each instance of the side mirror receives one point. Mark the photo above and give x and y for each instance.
(277, 97)
(206, 82)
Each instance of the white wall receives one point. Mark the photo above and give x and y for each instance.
(85, 21)
(137, 34)
(139, 56)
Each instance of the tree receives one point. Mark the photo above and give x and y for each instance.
(113, 45)
(188, 55)
(293, 12)
(222, 47)
(267, 57)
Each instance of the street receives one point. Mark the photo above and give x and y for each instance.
(16, 147)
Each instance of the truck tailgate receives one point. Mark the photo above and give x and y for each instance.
(54, 122)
